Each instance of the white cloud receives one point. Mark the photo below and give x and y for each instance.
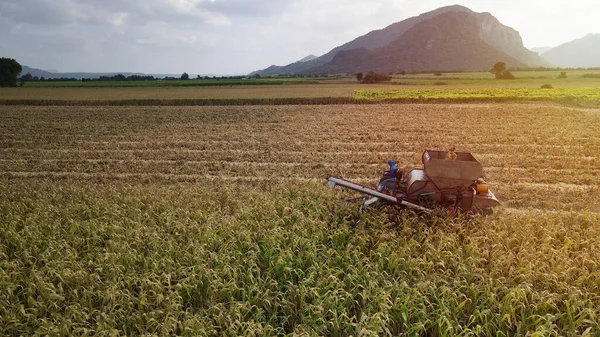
(16, 28)
(108, 12)
(238, 36)
(118, 19)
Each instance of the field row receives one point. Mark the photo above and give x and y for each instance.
(520, 195)
(519, 124)
(220, 92)
(311, 159)
(49, 142)
(581, 95)
(580, 175)
(185, 141)
(536, 156)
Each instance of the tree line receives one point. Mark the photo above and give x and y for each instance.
(120, 77)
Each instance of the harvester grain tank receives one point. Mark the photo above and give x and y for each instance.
(455, 184)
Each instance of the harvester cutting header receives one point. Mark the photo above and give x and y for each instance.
(449, 180)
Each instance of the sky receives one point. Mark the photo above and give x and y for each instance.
(229, 37)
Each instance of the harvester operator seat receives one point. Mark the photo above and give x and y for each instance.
(451, 155)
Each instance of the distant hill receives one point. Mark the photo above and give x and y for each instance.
(540, 50)
(378, 50)
(46, 74)
(580, 53)
(36, 72)
(308, 58)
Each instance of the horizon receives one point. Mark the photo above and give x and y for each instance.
(210, 37)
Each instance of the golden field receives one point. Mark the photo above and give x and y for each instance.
(217, 221)
(536, 148)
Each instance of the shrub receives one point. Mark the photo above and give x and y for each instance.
(563, 74)
(547, 86)
(505, 75)
(372, 77)
(437, 74)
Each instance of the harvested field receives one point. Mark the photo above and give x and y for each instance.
(222, 92)
(217, 221)
(297, 94)
(308, 142)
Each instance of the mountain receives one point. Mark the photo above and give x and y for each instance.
(372, 40)
(426, 47)
(308, 58)
(487, 32)
(540, 50)
(580, 53)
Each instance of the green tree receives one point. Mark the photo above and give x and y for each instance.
(185, 76)
(26, 78)
(359, 77)
(498, 68)
(501, 72)
(9, 71)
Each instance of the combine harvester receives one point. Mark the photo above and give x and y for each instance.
(449, 180)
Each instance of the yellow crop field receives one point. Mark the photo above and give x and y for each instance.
(212, 221)
(565, 95)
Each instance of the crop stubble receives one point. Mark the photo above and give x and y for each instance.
(141, 93)
(534, 155)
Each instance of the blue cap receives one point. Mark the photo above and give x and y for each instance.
(392, 164)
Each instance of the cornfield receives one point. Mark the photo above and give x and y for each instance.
(208, 221)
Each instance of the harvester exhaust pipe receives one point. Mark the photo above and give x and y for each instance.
(333, 181)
